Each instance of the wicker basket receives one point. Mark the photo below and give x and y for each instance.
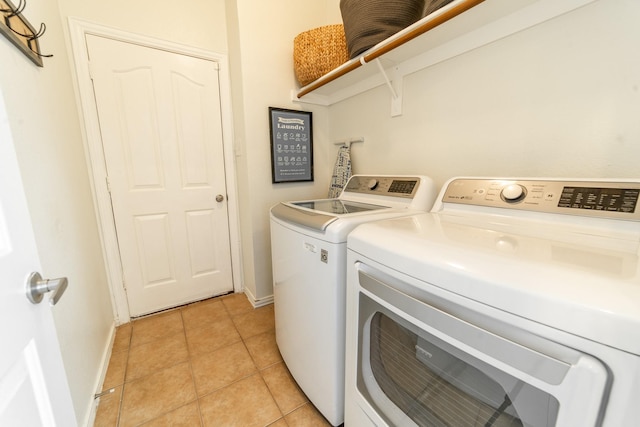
(318, 51)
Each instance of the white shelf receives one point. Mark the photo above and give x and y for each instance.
(479, 25)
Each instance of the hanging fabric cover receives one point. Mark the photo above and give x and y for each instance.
(341, 172)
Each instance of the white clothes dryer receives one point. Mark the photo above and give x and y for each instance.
(515, 302)
(309, 246)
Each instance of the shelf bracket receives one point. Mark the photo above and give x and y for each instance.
(395, 87)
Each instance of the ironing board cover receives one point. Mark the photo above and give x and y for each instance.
(341, 172)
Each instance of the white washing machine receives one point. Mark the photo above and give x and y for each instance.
(308, 245)
(515, 302)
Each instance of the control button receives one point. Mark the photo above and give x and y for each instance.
(491, 195)
(513, 193)
(372, 184)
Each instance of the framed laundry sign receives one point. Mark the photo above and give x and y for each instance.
(291, 145)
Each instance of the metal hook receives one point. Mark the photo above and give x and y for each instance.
(18, 10)
(40, 33)
(41, 55)
(34, 36)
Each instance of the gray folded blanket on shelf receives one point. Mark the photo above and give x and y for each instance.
(368, 22)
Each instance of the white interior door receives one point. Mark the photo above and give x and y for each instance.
(33, 384)
(161, 129)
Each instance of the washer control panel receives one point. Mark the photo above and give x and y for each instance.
(395, 186)
(586, 198)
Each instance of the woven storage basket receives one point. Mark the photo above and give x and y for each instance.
(318, 51)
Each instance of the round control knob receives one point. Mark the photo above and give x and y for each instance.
(513, 193)
(372, 184)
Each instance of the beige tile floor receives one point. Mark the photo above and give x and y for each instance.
(211, 363)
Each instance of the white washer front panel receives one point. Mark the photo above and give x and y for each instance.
(309, 292)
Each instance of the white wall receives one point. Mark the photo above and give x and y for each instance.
(198, 24)
(560, 99)
(265, 42)
(43, 119)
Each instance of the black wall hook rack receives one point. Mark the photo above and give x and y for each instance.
(15, 27)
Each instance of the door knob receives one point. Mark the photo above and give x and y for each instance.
(37, 287)
(219, 198)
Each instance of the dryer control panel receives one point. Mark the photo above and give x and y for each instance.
(383, 185)
(602, 199)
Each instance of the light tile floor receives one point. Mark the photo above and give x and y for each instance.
(211, 363)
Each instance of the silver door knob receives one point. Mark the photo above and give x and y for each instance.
(37, 287)
(219, 198)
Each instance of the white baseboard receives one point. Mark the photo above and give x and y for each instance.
(106, 357)
(258, 302)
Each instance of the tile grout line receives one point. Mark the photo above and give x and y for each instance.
(274, 400)
(193, 377)
(259, 371)
(124, 378)
(128, 382)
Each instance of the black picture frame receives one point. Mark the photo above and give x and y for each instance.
(291, 134)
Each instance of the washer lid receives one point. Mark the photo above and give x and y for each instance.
(306, 217)
(337, 206)
(318, 214)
